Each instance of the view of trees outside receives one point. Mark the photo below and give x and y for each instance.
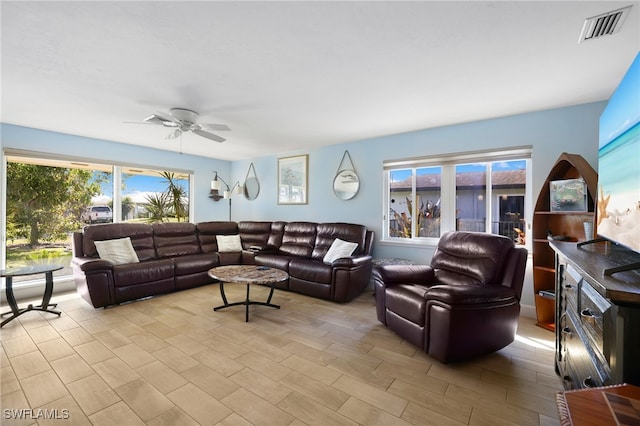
(46, 204)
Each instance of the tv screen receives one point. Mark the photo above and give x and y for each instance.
(618, 212)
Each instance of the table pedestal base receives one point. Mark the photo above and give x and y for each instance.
(44, 306)
(30, 307)
(246, 302)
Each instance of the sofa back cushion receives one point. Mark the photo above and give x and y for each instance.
(277, 232)
(299, 239)
(328, 232)
(175, 239)
(254, 233)
(471, 258)
(207, 232)
(141, 235)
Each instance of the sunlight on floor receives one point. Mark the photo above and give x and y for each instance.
(546, 344)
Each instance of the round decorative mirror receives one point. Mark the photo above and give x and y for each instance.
(251, 184)
(251, 188)
(346, 184)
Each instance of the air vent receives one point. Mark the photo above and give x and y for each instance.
(603, 25)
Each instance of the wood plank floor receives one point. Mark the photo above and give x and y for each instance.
(171, 360)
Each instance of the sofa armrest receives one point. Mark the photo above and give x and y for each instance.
(389, 275)
(94, 280)
(471, 294)
(351, 261)
(89, 264)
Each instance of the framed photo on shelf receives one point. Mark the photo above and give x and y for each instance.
(293, 174)
(568, 195)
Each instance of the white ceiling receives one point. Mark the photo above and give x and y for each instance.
(296, 75)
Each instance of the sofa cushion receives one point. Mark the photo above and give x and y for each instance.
(339, 249)
(175, 239)
(117, 251)
(254, 234)
(228, 243)
(310, 270)
(192, 264)
(143, 272)
(141, 235)
(273, 261)
(298, 239)
(207, 232)
(328, 232)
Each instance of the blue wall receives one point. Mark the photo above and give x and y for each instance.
(550, 132)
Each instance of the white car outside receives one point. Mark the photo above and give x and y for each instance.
(97, 214)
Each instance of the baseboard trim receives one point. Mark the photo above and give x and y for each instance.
(33, 291)
(528, 311)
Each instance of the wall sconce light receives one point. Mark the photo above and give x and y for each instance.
(218, 184)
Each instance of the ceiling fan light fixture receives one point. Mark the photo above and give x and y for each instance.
(174, 134)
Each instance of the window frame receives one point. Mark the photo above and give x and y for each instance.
(448, 163)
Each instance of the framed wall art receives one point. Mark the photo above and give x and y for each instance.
(293, 174)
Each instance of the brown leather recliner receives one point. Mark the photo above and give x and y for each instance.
(465, 304)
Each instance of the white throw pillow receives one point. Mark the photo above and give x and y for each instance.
(229, 243)
(117, 251)
(339, 249)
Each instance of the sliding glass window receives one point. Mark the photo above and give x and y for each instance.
(47, 199)
(479, 192)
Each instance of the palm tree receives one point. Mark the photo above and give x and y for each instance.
(157, 206)
(175, 194)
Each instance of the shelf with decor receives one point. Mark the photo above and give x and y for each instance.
(553, 221)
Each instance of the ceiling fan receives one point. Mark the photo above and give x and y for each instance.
(184, 120)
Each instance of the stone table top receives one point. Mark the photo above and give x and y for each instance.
(248, 274)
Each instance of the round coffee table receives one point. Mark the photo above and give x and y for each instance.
(247, 274)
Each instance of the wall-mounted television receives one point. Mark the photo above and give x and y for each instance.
(618, 210)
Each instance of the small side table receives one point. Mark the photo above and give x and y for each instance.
(15, 311)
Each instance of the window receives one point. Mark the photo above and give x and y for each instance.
(48, 199)
(480, 192)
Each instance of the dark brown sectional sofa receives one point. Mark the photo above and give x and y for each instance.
(177, 256)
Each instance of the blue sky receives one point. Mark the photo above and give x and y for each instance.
(400, 175)
(139, 184)
(623, 110)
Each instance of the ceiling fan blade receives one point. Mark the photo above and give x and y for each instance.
(215, 127)
(162, 119)
(208, 135)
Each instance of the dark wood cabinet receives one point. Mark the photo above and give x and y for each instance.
(568, 225)
(598, 328)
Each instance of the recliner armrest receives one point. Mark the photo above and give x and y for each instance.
(470, 294)
(389, 275)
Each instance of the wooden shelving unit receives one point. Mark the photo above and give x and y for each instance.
(568, 224)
